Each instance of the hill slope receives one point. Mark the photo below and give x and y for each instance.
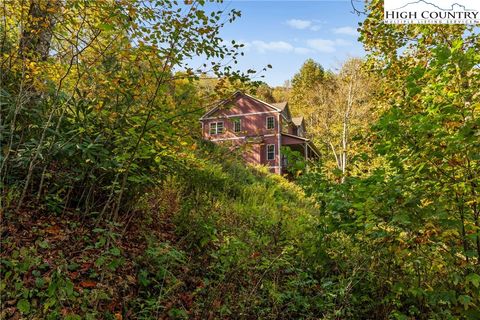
(215, 240)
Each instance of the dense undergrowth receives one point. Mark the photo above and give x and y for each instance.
(213, 241)
(112, 209)
(218, 240)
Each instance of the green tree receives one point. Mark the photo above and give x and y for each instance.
(90, 96)
(412, 223)
(429, 130)
(308, 77)
(265, 93)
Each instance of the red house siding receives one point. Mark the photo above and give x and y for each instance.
(253, 135)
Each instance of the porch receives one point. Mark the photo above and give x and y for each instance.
(300, 146)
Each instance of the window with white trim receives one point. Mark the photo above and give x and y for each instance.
(270, 152)
(216, 127)
(270, 122)
(237, 125)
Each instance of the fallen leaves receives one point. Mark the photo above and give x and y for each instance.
(53, 230)
(88, 284)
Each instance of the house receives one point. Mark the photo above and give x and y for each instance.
(262, 130)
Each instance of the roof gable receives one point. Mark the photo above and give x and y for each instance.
(298, 121)
(239, 103)
(280, 105)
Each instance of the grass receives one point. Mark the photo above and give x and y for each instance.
(215, 240)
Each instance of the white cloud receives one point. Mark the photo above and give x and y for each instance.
(303, 24)
(275, 46)
(322, 45)
(299, 24)
(349, 31)
(343, 43)
(310, 46)
(326, 45)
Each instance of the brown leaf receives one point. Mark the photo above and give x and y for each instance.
(88, 284)
(11, 302)
(255, 255)
(111, 306)
(53, 229)
(85, 266)
(16, 316)
(186, 298)
(216, 303)
(118, 316)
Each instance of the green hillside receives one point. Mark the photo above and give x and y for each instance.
(216, 239)
(112, 206)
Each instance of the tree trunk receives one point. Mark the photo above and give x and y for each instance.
(346, 119)
(37, 34)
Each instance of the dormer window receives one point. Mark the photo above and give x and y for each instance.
(299, 131)
(216, 128)
(270, 123)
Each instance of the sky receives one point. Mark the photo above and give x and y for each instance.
(286, 33)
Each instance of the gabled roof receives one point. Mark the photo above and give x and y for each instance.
(271, 105)
(298, 121)
(225, 101)
(283, 106)
(280, 105)
(219, 104)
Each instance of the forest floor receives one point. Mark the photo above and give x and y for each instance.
(88, 257)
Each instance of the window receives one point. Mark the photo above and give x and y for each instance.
(237, 125)
(271, 152)
(216, 128)
(270, 122)
(299, 132)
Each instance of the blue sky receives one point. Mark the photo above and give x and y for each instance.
(286, 33)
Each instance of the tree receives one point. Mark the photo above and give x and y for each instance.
(308, 77)
(105, 117)
(265, 93)
(337, 107)
(304, 81)
(414, 219)
(352, 108)
(429, 130)
(281, 93)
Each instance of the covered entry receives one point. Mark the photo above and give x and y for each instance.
(302, 145)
